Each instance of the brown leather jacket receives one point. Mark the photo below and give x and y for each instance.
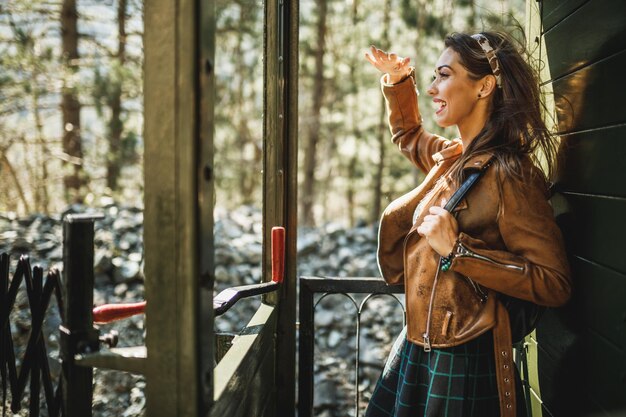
(508, 243)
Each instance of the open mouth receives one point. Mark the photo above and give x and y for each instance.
(440, 106)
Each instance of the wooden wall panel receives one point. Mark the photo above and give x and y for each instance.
(592, 161)
(589, 34)
(556, 10)
(596, 229)
(599, 298)
(592, 97)
(596, 308)
(575, 382)
(582, 346)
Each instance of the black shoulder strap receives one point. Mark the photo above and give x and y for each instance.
(465, 187)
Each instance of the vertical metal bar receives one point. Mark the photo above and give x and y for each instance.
(305, 352)
(5, 330)
(55, 276)
(36, 316)
(356, 369)
(46, 377)
(78, 278)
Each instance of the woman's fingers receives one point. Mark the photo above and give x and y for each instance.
(387, 62)
(386, 57)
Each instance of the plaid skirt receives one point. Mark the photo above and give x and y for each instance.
(452, 382)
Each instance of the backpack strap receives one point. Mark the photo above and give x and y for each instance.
(467, 185)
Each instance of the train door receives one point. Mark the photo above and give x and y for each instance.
(256, 375)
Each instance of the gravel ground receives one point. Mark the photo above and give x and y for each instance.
(326, 251)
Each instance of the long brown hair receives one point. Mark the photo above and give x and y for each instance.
(515, 126)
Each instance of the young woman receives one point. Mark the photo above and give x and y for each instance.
(454, 358)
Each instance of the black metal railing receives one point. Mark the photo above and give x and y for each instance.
(34, 363)
(309, 287)
(74, 296)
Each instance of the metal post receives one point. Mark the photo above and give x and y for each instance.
(305, 351)
(77, 332)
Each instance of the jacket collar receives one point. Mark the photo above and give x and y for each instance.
(478, 162)
(452, 151)
(455, 150)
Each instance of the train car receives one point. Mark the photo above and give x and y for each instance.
(574, 363)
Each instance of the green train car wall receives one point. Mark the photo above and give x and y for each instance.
(581, 349)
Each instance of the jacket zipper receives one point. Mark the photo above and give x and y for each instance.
(426, 334)
(463, 251)
(479, 292)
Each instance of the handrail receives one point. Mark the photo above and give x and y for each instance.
(309, 286)
(223, 301)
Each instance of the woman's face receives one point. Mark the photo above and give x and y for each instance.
(454, 93)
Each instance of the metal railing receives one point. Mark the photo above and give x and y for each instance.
(34, 363)
(80, 341)
(309, 287)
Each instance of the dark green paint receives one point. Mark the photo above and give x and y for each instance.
(580, 42)
(592, 97)
(582, 346)
(556, 10)
(576, 382)
(594, 283)
(590, 162)
(594, 229)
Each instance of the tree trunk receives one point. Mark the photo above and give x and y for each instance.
(312, 138)
(42, 186)
(419, 57)
(382, 130)
(70, 105)
(18, 186)
(355, 120)
(471, 19)
(116, 126)
(246, 177)
(350, 194)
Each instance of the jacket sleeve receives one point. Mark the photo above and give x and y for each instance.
(405, 123)
(534, 267)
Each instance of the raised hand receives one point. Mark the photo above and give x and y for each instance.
(389, 63)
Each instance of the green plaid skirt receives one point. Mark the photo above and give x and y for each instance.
(452, 382)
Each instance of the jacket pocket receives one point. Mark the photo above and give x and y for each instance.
(446, 323)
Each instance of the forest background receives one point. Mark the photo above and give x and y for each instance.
(71, 101)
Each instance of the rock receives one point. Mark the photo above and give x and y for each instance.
(306, 244)
(334, 338)
(120, 289)
(102, 261)
(9, 235)
(323, 318)
(221, 274)
(125, 270)
(22, 245)
(325, 393)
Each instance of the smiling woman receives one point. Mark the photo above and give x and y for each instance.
(455, 356)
